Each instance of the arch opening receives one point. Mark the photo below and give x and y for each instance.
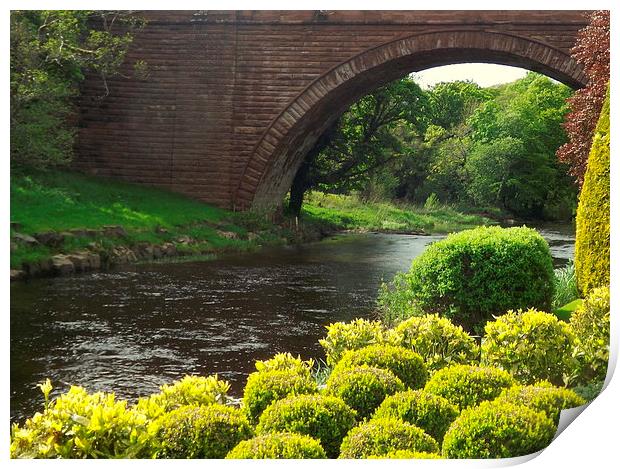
(278, 154)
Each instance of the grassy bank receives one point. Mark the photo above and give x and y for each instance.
(59, 201)
(350, 213)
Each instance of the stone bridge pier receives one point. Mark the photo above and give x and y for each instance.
(234, 99)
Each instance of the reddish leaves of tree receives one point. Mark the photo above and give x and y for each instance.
(592, 52)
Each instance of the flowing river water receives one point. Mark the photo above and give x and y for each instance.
(132, 329)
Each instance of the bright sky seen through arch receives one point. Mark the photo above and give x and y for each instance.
(481, 73)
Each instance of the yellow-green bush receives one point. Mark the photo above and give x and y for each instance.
(381, 436)
(326, 418)
(278, 446)
(264, 387)
(82, 425)
(497, 430)
(592, 239)
(363, 388)
(590, 324)
(467, 386)
(406, 454)
(531, 345)
(437, 340)
(431, 413)
(544, 397)
(190, 390)
(200, 432)
(354, 335)
(407, 365)
(285, 362)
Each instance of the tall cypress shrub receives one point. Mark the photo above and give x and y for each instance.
(592, 241)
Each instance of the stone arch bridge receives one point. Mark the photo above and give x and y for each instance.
(234, 99)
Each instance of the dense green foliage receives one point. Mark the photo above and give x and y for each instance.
(278, 446)
(363, 388)
(354, 335)
(475, 274)
(467, 386)
(497, 430)
(264, 387)
(381, 436)
(285, 362)
(82, 425)
(51, 51)
(591, 326)
(326, 418)
(407, 365)
(544, 397)
(407, 454)
(592, 242)
(431, 413)
(437, 340)
(531, 345)
(204, 432)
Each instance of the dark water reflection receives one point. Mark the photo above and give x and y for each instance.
(134, 329)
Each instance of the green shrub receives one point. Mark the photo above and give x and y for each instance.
(286, 362)
(590, 390)
(205, 432)
(467, 386)
(407, 365)
(264, 387)
(406, 454)
(565, 286)
(363, 388)
(395, 300)
(592, 238)
(475, 274)
(590, 325)
(542, 397)
(381, 436)
(437, 340)
(326, 418)
(497, 430)
(278, 446)
(350, 336)
(531, 345)
(82, 425)
(190, 390)
(431, 413)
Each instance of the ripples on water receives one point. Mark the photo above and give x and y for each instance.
(131, 330)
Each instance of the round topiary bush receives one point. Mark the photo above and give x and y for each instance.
(381, 436)
(264, 387)
(590, 325)
(204, 432)
(431, 413)
(406, 454)
(531, 345)
(357, 334)
(278, 446)
(592, 239)
(407, 365)
(497, 430)
(466, 386)
(475, 274)
(437, 340)
(543, 397)
(326, 418)
(363, 388)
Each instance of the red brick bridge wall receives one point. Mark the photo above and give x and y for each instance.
(234, 99)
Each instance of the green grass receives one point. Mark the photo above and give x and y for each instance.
(564, 313)
(565, 285)
(350, 213)
(62, 200)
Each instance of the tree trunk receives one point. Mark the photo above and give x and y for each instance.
(298, 189)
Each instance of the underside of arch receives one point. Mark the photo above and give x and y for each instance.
(281, 149)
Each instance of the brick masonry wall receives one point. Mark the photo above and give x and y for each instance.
(235, 98)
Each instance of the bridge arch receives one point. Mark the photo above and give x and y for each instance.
(276, 157)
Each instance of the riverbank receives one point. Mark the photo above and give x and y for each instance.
(64, 222)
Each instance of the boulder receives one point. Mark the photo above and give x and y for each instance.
(80, 261)
(62, 265)
(227, 234)
(17, 274)
(25, 239)
(50, 238)
(114, 231)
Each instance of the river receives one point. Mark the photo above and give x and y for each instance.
(132, 329)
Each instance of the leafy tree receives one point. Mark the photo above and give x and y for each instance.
(592, 52)
(451, 103)
(51, 50)
(362, 140)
